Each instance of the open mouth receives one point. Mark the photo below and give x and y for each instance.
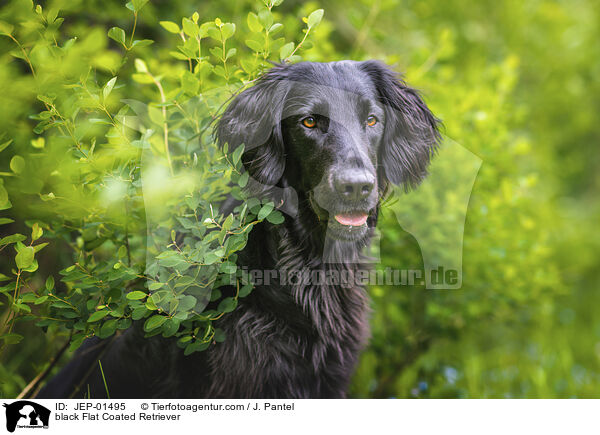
(348, 225)
(345, 225)
(352, 219)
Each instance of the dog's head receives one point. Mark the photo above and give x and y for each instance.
(338, 133)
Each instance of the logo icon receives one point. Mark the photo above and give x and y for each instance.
(26, 414)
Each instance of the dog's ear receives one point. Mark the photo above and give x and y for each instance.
(253, 118)
(410, 135)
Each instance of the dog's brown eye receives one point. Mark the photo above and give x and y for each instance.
(309, 122)
(371, 120)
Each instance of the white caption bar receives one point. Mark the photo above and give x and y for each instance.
(300, 416)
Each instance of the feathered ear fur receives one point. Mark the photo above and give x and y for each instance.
(254, 119)
(411, 132)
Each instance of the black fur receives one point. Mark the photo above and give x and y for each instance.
(302, 340)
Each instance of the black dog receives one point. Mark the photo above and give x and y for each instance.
(327, 138)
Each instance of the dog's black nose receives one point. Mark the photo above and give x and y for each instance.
(354, 185)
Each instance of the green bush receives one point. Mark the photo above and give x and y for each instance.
(131, 186)
(514, 82)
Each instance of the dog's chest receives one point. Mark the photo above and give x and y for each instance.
(269, 355)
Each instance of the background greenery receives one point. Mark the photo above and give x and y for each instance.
(514, 82)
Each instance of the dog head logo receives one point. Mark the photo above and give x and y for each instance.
(26, 414)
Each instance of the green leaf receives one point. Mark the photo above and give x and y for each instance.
(103, 121)
(77, 342)
(97, 316)
(237, 155)
(219, 335)
(170, 26)
(50, 283)
(41, 300)
(228, 267)
(11, 338)
(315, 18)
(210, 258)
(276, 217)
(185, 339)
(217, 52)
(25, 257)
(52, 14)
(230, 53)
(228, 222)
(5, 144)
(214, 33)
(108, 328)
(184, 281)
(143, 78)
(6, 28)
(108, 87)
(117, 34)
(204, 28)
(38, 143)
(17, 164)
(245, 290)
(138, 4)
(142, 43)
(29, 298)
(49, 197)
(228, 30)
(155, 285)
(140, 66)
(156, 115)
(170, 327)
(253, 205)
(136, 295)
(227, 305)
(286, 50)
(5, 220)
(4, 201)
(22, 307)
(265, 17)
(186, 303)
(275, 28)
(256, 46)
(139, 313)
(190, 28)
(243, 180)
(215, 295)
(154, 322)
(189, 83)
(37, 248)
(32, 268)
(14, 238)
(265, 210)
(36, 232)
(48, 99)
(236, 242)
(190, 349)
(253, 23)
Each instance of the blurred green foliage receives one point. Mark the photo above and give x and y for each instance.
(514, 82)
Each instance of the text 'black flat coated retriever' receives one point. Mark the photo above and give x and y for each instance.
(329, 139)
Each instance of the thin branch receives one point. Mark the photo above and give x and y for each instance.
(163, 99)
(133, 31)
(40, 377)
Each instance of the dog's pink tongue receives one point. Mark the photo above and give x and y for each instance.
(354, 219)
